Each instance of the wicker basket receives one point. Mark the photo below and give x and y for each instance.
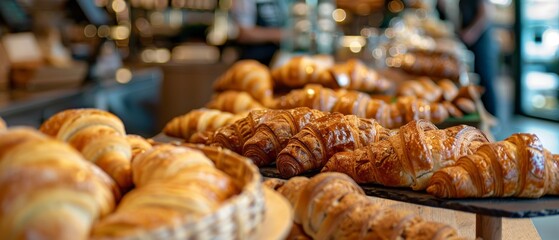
(238, 218)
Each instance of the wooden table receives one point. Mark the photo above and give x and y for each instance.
(465, 223)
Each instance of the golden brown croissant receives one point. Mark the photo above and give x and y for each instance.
(423, 88)
(332, 206)
(354, 75)
(198, 120)
(310, 148)
(390, 115)
(233, 102)
(519, 166)
(271, 134)
(234, 136)
(449, 88)
(409, 157)
(247, 76)
(312, 96)
(173, 185)
(99, 136)
(138, 144)
(301, 70)
(48, 190)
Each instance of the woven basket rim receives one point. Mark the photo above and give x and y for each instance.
(252, 190)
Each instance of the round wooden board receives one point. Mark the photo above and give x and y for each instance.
(278, 219)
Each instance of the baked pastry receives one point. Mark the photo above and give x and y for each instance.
(449, 88)
(99, 136)
(409, 157)
(234, 136)
(423, 88)
(247, 76)
(332, 206)
(48, 190)
(310, 148)
(138, 144)
(519, 166)
(173, 185)
(263, 133)
(234, 102)
(390, 115)
(302, 70)
(313, 96)
(272, 134)
(198, 120)
(354, 75)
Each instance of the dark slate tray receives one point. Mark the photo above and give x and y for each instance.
(495, 207)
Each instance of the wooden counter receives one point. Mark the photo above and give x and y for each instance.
(465, 223)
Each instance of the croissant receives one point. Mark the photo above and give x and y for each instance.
(48, 190)
(99, 136)
(301, 70)
(234, 102)
(198, 120)
(390, 115)
(138, 144)
(234, 136)
(354, 75)
(519, 166)
(332, 206)
(423, 88)
(409, 157)
(277, 124)
(310, 148)
(173, 185)
(272, 134)
(247, 76)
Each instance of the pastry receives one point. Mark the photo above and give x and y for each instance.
(198, 120)
(333, 206)
(300, 71)
(310, 148)
(272, 134)
(173, 184)
(354, 75)
(518, 166)
(99, 136)
(234, 102)
(247, 76)
(409, 157)
(48, 190)
(390, 115)
(138, 144)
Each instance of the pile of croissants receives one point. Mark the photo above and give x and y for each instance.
(319, 83)
(80, 176)
(458, 161)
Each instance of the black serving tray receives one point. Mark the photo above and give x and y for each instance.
(494, 207)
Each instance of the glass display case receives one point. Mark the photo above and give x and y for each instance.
(538, 58)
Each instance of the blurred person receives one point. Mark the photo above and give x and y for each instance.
(260, 24)
(474, 27)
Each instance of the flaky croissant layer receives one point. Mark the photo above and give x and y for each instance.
(409, 157)
(333, 206)
(519, 166)
(48, 190)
